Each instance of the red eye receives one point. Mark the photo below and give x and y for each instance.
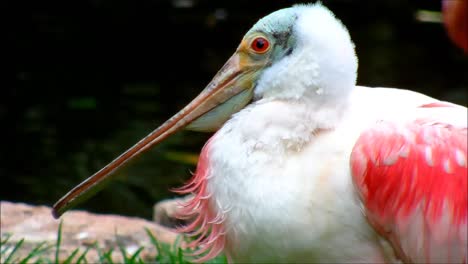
(260, 45)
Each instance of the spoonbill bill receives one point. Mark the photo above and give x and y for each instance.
(306, 166)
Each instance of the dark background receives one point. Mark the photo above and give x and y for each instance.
(88, 79)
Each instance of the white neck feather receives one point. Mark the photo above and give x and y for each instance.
(281, 126)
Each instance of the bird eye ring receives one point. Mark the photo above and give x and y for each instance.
(260, 45)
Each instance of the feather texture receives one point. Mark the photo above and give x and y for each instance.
(207, 227)
(412, 178)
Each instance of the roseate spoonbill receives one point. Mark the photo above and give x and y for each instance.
(306, 166)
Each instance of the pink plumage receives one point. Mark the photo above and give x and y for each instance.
(207, 226)
(412, 178)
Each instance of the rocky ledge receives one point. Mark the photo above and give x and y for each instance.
(81, 230)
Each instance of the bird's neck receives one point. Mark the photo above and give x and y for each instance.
(284, 125)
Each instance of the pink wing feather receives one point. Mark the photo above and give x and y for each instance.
(412, 180)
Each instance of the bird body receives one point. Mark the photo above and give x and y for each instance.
(288, 195)
(305, 166)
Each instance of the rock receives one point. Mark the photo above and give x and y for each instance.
(79, 230)
(164, 212)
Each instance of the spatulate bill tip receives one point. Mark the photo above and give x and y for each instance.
(58, 210)
(56, 213)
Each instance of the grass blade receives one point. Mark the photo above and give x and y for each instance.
(4, 247)
(176, 244)
(108, 256)
(121, 247)
(180, 255)
(104, 257)
(172, 256)
(5, 238)
(133, 258)
(4, 250)
(59, 241)
(17, 246)
(155, 244)
(70, 258)
(83, 256)
(39, 249)
(99, 251)
(153, 239)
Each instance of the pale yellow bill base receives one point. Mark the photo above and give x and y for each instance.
(230, 90)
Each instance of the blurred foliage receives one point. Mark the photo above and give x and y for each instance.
(90, 78)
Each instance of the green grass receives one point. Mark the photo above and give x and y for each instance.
(167, 253)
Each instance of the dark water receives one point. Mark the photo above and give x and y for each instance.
(91, 78)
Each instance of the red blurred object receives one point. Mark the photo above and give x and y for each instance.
(455, 13)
